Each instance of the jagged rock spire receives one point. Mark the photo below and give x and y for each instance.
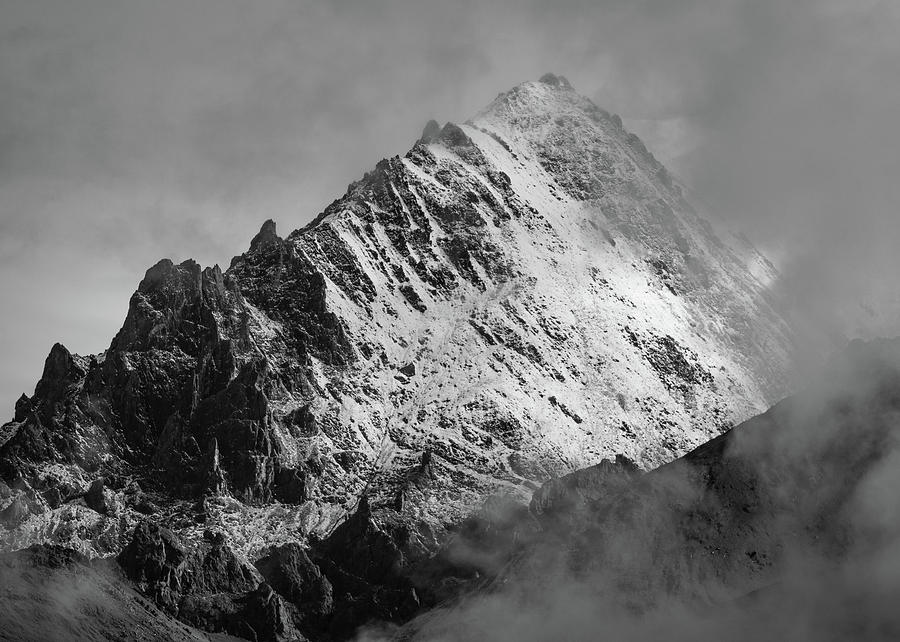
(431, 132)
(553, 80)
(265, 236)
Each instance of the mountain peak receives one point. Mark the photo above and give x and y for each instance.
(431, 131)
(515, 298)
(265, 236)
(559, 82)
(534, 103)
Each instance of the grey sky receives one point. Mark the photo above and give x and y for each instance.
(133, 130)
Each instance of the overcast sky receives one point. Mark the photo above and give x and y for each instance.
(131, 131)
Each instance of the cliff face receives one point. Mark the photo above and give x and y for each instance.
(517, 297)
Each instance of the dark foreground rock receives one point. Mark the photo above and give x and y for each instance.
(293, 575)
(54, 593)
(208, 587)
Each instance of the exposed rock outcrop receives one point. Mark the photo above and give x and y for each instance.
(293, 575)
(208, 587)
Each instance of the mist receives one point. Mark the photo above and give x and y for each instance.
(130, 132)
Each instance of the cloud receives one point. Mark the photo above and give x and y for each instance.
(132, 131)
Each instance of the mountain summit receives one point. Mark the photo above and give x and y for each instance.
(516, 297)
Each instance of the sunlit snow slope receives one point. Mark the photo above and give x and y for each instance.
(516, 297)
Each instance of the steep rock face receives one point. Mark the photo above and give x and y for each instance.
(291, 573)
(517, 297)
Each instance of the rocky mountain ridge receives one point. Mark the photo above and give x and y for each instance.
(516, 298)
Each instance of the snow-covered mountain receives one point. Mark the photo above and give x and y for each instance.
(517, 297)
